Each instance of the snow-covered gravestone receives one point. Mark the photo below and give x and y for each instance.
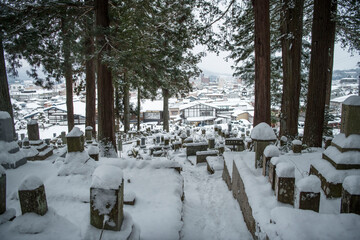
(143, 142)
(272, 170)
(307, 194)
(107, 198)
(262, 135)
(211, 141)
(10, 154)
(33, 130)
(350, 199)
(269, 152)
(2, 190)
(75, 140)
(32, 196)
(285, 182)
(350, 116)
(93, 152)
(296, 146)
(88, 134)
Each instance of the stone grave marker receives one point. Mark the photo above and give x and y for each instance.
(88, 134)
(192, 148)
(350, 116)
(32, 196)
(272, 171)
(63, 137)
(33, 130)
(269, 152)
(211, 142)
(107, 198)
(350, 198)
(75, 140)
(296, 146)
(143, 142)
(262, 135)
(285, 182)
(201, 155)
(6, 127)
(308, 193)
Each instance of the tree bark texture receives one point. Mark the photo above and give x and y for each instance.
(262, 61)
(90, 76)
(68, 73)
(106, 120)
(291, 31)
(138, 109)
(5, 101)
(126, 105)
(166, 109)
(322, 45)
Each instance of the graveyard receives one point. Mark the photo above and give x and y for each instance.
(208, 182)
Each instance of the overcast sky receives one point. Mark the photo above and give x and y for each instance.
(342, 61)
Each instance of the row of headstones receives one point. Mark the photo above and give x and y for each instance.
(305, 194)
(32, 197)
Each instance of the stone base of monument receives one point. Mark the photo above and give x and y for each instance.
(192, 148)
(214, 164)
(44, 150)
(11, 156)
(307, 195)
(285, 183)
(350, 198)
(331, 178)
(202, 155)
(129, 230)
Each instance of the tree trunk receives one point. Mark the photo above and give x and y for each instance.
(5, 103)
(138, 109)
(262, 62)
(68, 73)
(90, 76)
(291, 30)
(322, 43)
(166, 109)
(126, 105)
(106, 120)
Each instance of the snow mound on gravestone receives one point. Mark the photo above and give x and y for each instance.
(30, 183)
(285, 170)
(33, 226)
(296, 142)
(107, 177)
(352, 184)
(75, 132)
(10, 158)
(77, 163)
(271, 151)
(263, 131)
(309, 184)
(352, 100)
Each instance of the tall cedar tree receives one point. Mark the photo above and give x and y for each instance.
(262, 62)
(90, 71)
(291, 41)
(106, 119)
(322, 43)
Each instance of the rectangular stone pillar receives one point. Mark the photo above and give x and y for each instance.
(308, 193)
(33, 130)
(75, 140)
(2, 190)
(32, 196)
(350, 198)
(107, 198)
(285, 182)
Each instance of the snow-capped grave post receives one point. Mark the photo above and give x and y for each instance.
(32, 196)
(328, 141)
(350, 198)
(350, 115)
(272, 171)
(22, 136)
(2, 190)
(203, 131)
(63, 137)
(285, 182)
(262, 135)
(93, 152)
(6, 127)
(75, 140)
(229, 127)
(296, 146)
(188, 133)
(166, 140)
(211, 141)
(88, 134)
(143, 142)
(269, 152)
(307, 194)
(107, 198)
(33, 130)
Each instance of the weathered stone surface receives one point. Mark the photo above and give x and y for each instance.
(33, 130)
(63, 137)
(309, 201)
(211, 142)
(192, 148)
(350, 203)
(176, 145)
(2, 190)
(33, 201)
(331, 190)
(237, 144)
(266, 166)
(112, 201)
(88, 134)
(284, 189)
(296, 148)
(259, 150)
(6, 127)
(350, 115)
(201, 155)
(226, 176)
(75, 140)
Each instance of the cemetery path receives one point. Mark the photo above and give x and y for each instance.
(210, 211)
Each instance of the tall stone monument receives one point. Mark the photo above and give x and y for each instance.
(44, 150)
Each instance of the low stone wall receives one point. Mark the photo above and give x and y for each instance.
(201, 155)
(226, 176)
(192, 148)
